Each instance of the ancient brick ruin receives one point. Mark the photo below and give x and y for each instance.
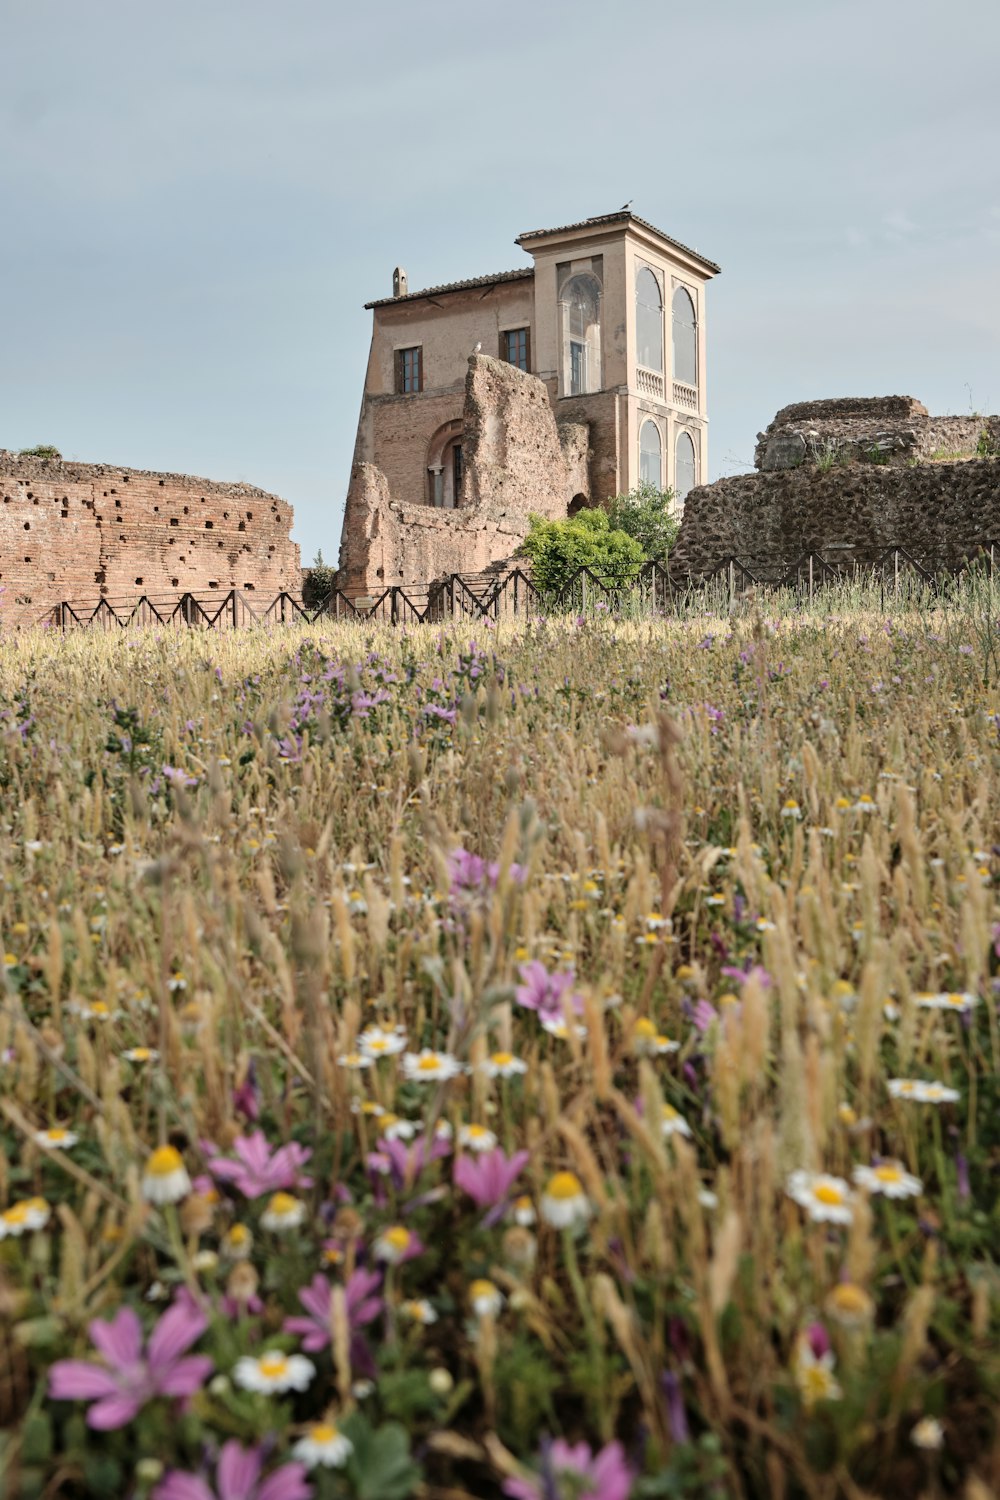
(80, 532)
(848, 479)
(518, 460)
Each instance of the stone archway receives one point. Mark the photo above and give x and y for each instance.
(445, 465)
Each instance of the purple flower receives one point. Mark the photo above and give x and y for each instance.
(258, 1171)
(407, 1162)
(818, 1340)
(703, 1015)
(602, 1476)
(178, 777)
(470, 874)
(237, 1477)
(245, 1098)
(361, 1306)
(543, 992)
(489, 1178)
(679, 1429)
(962, 1174)
(129, 1376)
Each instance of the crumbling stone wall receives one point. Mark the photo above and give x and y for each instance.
(79, 532)
(852, 509)
(518, 461)
(875, 429)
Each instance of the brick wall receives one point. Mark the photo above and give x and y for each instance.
(80, 532)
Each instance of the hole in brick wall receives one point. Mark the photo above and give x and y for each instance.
(156, 509)
(100, 576)
(248, 587)
(35, 501)
(221, 544)
(30, 496)
(6, 499)
(138, 580)
(249, 515)
(173, 541)
(161, 484)
(174, 521)
(118, 505)
(225, 515)
(106, 493)
(121, 539)
(111, 492)
(185, 510)
(242, 526)
(27, 559)
(64, 513)
(126, 478)
(202, 499)
(213, 583)
(27, 525)
(173, 583)
(209, 525)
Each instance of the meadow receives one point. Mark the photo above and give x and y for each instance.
(555, 1061)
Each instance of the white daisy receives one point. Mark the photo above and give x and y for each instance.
(376, 1042)
(814, 1376)
(486, 1298)
(503, 1065)
(827, 1199)
(557, 1027)
(428, 1066)
(165, 1179)
(921, 1092)
(56, 1139)
(141, 1055)
(889, 1179)
(419, 1310)
(323, 1445)
(354, 1061)
(523, 1211)
(477, 1138)
(564, 1203)
(674, 1123)
(393, 1243)
(960, 1001)
(866, 804)
(24, 1217)
(928, 1433)
(273, 1371)
(283, 1212)
(392, 1128)
(791, 809)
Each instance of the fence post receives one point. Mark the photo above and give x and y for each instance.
(234, 609)
(583, 582)
(732, 583)
(810, 577)
(516, 580)
(895, 571)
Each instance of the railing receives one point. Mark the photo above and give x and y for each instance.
(648, 383)
(685, 395)
(494, 596)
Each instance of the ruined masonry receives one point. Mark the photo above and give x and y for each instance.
(79, 532)
(849, 479)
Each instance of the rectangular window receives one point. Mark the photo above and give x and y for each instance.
(515, 347)
(457, 470)
(409, 370)
(577, 368)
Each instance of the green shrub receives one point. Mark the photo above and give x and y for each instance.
(645, 514)
(559, 549)
(317, 584)
(40, 450)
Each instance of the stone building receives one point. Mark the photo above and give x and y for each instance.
(542, 389)
(82, 532)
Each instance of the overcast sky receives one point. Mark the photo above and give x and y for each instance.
(196, 198)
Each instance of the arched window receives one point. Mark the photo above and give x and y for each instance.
(686, 468)
(650, 455)
(580, 312)
(648, 321)
(685, 338)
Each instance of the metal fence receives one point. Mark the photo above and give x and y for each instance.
(653, 588)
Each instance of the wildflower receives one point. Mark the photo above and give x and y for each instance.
(489, 1178)
(92, 1010)
(130, 1376)
(814, 1374)
(376, 1043)
(237, 1242)
(205, 1261)
(166, 1179)
(258, 1170)
(674, 1123)
(430, 1067)
(928, 1433)
(827, 1199)
(523, 1211)
(237, 1477)
(355, 1061)
(503, 1065)
(360, 1303)
(564, 1203)
(56, 1139)
(397, 1244)
(477, 1138)
(419, 1310)
(850, 1305)
(889, 1179)
(961, 1001)
(556, 1026)
(486, 1298)
(866, 804)
(546, 993)
(273, 1371)
(573, 1469)
(141, 1055)
(392, 1128)
(648, 1042)
(921, 1092)
(323, 1445)
(24, 1217)
(441, 1381)
(283, 1212)
(791, 809)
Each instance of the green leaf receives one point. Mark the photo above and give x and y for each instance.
(380, 1468)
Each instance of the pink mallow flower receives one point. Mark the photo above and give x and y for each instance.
(543, 992)
(406, 1162)
(237, 1477)
(131, 1376)
(488, 1178)
(259, 1170)
(571, 1470)
(361, 1305)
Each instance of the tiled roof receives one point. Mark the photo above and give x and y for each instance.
(457, 286)
(623, 216)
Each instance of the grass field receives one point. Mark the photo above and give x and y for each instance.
(560, 1063)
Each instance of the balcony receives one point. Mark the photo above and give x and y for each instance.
(685, 395)
(649, 383)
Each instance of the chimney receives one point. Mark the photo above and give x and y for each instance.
(399, 282)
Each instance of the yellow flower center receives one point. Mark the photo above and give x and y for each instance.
(522, 1203)
(476, 1132)
(140, 1054)
(99, 1007)
(824, 1192)
(644, 1028)
(397, 1238)
(323, 1433)
(18, 1214)
(164, 1160)
(958, 1000)
(238, 1234)
(888, 1174)
(565, 1185)
(53, 1136)
(849, 1298)
(377, 1044)
(273, 1366)
(482, 1288)
(503, 1059)
(428, 1064)
(283, 1203)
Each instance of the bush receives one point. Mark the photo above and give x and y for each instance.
(40, 450)
(559, 549)
(645, 514)
(317, 584)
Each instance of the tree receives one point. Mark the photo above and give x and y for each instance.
(645, 514)
(559, 549)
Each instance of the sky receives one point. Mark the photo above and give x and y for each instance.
(197, 198)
